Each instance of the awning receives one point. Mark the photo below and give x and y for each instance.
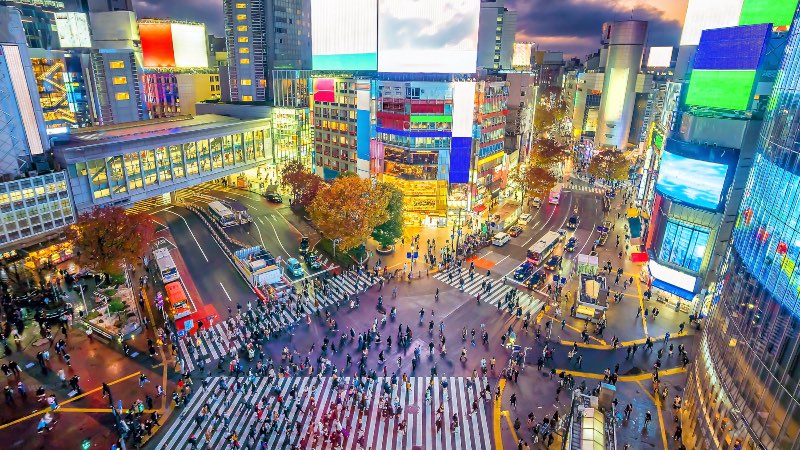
(666, 287)
(480, 208)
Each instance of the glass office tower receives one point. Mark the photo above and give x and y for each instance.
(744, 388)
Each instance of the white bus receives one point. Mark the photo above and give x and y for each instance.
(224, 216)
(555, 193)
(539, 251)
(166, 266)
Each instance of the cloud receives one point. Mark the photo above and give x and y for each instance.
(204, 11)
(578, 23)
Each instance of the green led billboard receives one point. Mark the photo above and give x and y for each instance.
(777, 12)
(725, 89)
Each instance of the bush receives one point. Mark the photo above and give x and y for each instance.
(109, 292)
(92, 315)
(117, 279)
(115, 306)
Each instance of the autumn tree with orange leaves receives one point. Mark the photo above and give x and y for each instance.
(107, 237)
(349, 209)
(303, 184)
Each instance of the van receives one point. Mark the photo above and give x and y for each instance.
(501, 239)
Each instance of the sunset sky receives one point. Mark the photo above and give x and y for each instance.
(572, 26)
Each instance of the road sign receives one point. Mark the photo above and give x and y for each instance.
(602, 229)
(563, 280)
(189, 324)
(416, 255)
(459, 232)
(408, 255)
(555, 277)
(181, 333)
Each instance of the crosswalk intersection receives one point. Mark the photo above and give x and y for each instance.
(585, 188)
(475, 285)
(218, 342)
(297, 424)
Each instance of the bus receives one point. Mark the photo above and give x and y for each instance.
(166, 266)
(224, 216)
(539, 251)
(555, 193)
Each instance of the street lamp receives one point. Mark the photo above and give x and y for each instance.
(335, 241)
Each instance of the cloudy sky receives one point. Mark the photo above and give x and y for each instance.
(572, 26)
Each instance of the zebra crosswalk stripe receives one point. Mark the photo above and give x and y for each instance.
(381, 432)
(499, 290)
(216, 344)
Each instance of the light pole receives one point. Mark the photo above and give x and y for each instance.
(335, 241)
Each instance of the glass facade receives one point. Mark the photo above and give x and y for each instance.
(684, 245)
(35, 205)
(744, 390)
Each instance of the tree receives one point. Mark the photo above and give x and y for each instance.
(387, 233)
(609, 165)
(108, 237)
(533, 181)
(548, 151)
(349, 209)
(303, 184)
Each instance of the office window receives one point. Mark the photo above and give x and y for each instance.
(247, 98)
(684, 244)
(244, 50)
(241, 17)
(117, 64)
(241, 28)
(241, 5)
(244, 60)
(122, 96)
(243, 39)
(119, 80)
(246, 82)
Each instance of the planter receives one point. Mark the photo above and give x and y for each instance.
(384, 251)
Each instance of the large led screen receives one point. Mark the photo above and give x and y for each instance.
(725, 89)
(733, 48)
(706, 14)
(156, 39)
(698, 183)
(344, 34)
(190, 45)
(777, 12)
(429, 36)
(660, 57)
(73, 30)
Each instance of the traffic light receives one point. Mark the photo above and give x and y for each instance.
(86, 444)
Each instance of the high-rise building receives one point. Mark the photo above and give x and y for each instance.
(743, 388)
(106, 5)
(625, 50)
(498, 26)
(38, 21)
(261, 36)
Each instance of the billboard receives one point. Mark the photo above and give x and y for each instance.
(324, 90)
(706, 14)
(691, 181)
(428, 36)
(733, 48)
(73, 30)
(725, 89)
(777, 12)
(355, 49)
(659, 57)
(522, 54)
(173, 44)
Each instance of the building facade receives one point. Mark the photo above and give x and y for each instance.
(743, 388)
(497, 29)
(32, 207)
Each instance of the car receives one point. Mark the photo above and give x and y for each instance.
(523, 271)
(515, 231)
(524, 218)
(570, 247)
(562, 233)
(274, 197)
(573, 222)
(536, 202)
(304, 245)
(536, 281)
(293, 266)
(312, 259)
(553, 263)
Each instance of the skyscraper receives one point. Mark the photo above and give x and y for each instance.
(498, 26)
(743, 388)
(261, 36)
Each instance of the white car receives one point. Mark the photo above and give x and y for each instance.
(524, 219)
(536, 202)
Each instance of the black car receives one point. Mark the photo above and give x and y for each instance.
(570, 247)
(523, 271)
(573, 222)
(304, 244)
(536, 281)
(274, 197)
(553, 263)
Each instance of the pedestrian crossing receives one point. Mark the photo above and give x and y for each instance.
(584, 188)
(220, 338)
(475, 285)
(325, 413)
(148, 205)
